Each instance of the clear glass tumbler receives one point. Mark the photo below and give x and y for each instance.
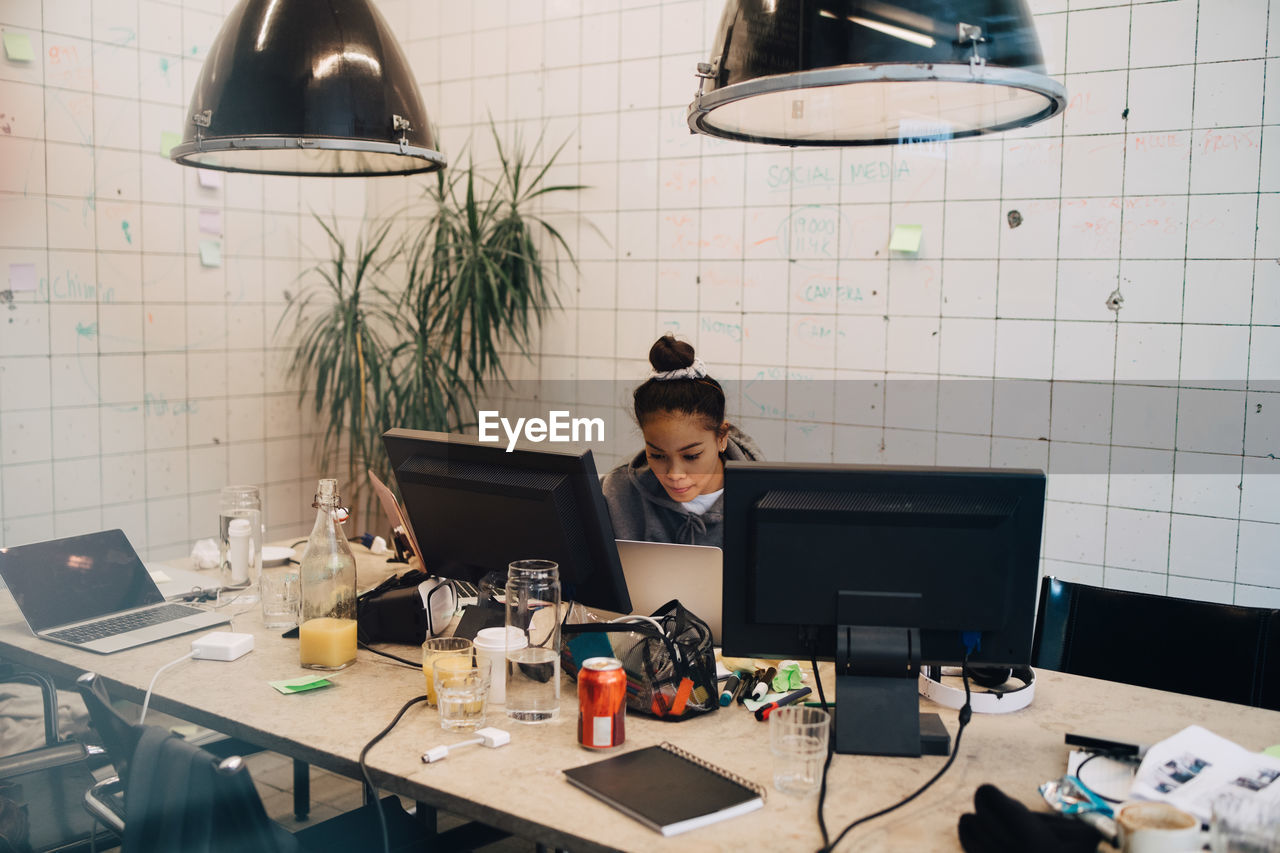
(462, 690)
(533, 671)
(798, 739)
(436, 647)
(238, 565)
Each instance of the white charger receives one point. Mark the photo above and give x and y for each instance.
(488, 736)
(222, 645)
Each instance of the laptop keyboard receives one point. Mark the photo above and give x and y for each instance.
(123, 624)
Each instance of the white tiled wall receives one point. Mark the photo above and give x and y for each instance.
(1161, 179)
(136, 382)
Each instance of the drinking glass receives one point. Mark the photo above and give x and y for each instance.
(235, 502)
(462, 690)
(798, 740)
(281, 596)
(1244, 825)
(533, 668)
(433, 648)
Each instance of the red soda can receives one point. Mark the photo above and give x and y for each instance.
(602, 703)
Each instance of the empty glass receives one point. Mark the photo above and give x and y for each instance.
(798, 740)
(462, 690)
(239, 566)
(281, 594)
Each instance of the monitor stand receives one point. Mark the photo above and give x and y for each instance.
(877, 669)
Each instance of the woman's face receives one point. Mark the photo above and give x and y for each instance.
(684, 454)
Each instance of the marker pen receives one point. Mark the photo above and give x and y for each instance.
(743, 693)
(730, 685)
(762, 685)
(763, 712)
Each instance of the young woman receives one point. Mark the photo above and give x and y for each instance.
(672, 491)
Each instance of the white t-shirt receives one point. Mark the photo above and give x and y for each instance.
(702, 503)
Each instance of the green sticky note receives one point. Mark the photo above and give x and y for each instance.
(1273, 751)
(298, 685)
(17, 46)
(210, 253)
(906, 238)
(168, 139)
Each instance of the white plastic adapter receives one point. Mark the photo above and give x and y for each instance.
(488, 736)
(222, 645)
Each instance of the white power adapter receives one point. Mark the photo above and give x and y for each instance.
(488, 736)
(222, 645)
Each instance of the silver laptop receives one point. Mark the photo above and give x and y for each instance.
(92, 592)
(657, 572)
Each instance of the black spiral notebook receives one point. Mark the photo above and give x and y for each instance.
(667, 789)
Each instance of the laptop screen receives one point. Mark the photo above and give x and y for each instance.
(81, 577)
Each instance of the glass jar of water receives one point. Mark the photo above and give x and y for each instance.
(533, 613)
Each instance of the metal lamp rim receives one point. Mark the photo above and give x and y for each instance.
(432, 160)
(948, 72)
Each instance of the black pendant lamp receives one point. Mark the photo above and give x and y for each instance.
(307, 87)
(865, 72)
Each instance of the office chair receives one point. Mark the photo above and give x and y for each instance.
(1215, 651)
(41, 788)
(172, 796)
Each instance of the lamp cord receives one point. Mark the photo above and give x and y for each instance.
(965, 714)
(364, 768)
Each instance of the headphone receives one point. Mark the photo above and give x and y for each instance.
(992, 701)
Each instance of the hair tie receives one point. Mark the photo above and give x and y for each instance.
(697, 370)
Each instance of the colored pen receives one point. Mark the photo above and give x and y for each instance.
(762, 713)
(730, 685)
(761, 687)
(743, 692)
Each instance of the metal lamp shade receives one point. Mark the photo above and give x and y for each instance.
(307, 87)
(863, 72)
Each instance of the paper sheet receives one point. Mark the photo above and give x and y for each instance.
(211, 222)
(1196, 766)
(168, 139)
(209, 179)
(210, 253)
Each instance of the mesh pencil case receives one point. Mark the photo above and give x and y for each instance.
(668, 658)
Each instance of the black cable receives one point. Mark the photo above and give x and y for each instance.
(831, 751)
(966, 712)
(1095, 792)
(364, 768)
(405, 661)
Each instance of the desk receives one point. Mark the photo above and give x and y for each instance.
(519, 788)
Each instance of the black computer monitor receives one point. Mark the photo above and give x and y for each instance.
(474, 508)
(881, 570)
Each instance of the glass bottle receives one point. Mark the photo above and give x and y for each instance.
(327, 623)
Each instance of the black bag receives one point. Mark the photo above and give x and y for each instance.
(670, 665)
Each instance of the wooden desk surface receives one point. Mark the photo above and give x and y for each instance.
(520, 788)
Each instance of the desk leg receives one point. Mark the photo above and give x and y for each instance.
(301, 789)
(428, 817)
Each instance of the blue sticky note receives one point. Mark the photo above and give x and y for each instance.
(210, 253)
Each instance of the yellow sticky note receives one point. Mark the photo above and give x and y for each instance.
(17, 46)
(210, 253)
(168, 139)
(906, 238)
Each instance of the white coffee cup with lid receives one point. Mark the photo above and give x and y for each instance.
(1154, 827)
(493, 643)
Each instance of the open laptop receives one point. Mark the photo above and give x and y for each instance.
(92, 592)
(657, 572)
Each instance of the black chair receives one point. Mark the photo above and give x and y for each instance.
(1216, 651)
(41, 789)
(171, 796)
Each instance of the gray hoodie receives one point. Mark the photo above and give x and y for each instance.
(641, 509)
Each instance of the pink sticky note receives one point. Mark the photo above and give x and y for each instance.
(211, 222)
(22, 277)
(210, 180)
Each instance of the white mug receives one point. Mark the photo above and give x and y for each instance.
(1152, 827)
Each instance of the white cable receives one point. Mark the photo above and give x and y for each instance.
(147, 700)
(636, 617)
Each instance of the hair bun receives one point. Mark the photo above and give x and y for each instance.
(667, 353)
